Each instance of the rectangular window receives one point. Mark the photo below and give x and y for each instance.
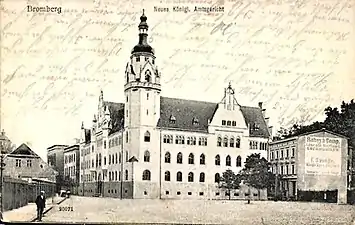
(189, 193)
(223, 122)
(137, 59)
(201, 193)
(293, 152)
(167, 192)
(293, 169)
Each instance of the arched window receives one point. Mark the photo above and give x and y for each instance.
(202, 159)
(202, 177)
(167, 157)
(179, 158)
(218, 160)
(127, 156)
(225, 142)
(167, 176)
(147, 136)
(126, 174)
(231, 143)
(219, 141)
(127, 78)
(237, 142)
(191, 177)
(191, 158)
(228, 160)
(146, 175)
(239, 161)
(217, 177)
(146, 156)
(109, 159)
(116, 159)
(179, 176)
(148, 76)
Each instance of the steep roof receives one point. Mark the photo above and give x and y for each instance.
(23, 149)
(184, 111)
(254, 117)
(116, 114)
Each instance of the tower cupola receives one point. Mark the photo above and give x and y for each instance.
(143, 45)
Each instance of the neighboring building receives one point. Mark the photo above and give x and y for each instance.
(312, 166)
(158, 147)
(24, 163)
(55, 157)
(71, 166)
(6, 145)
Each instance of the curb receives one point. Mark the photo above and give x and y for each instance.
(49, 209)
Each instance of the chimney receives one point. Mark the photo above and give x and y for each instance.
(267, 121)
(270, 131)
(261, 105)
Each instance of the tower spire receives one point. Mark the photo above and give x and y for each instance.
(143, 45)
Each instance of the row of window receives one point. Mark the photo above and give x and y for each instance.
(18, 163)
(112, 159)
(190, 177)
(70, 171)
(201, 193)
(282, 156)
(284, 169)
(112, 176)
(255, 145)
(191, 159)
(228, 142)
(229, 123)
(179, 139)
(69, 158)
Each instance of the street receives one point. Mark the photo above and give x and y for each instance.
(86, 209)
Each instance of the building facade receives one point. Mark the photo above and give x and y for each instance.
(312, 166)
(71, 167)
(157, 147)
(23, 163)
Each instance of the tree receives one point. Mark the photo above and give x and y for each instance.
(229, 181)
(256, 173)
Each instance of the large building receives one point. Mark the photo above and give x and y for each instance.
(157, 147)
(25, 164)
(71, 167)
(312, 166)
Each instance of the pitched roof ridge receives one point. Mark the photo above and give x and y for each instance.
(190, 100)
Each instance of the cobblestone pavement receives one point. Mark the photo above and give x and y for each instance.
(86, 209)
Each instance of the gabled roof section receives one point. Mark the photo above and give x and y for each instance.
(254, 118)
(184, 112)
(116, 114)
(23, 149)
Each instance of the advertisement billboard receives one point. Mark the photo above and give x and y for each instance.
(322, 156)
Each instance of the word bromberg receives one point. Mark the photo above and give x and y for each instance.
(44, 9)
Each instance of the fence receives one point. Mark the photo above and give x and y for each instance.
(18, 193)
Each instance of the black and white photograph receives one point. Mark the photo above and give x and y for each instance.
(177, 112)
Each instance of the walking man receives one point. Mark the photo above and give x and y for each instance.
(41, 204)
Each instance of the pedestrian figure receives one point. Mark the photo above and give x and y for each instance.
(41, 204)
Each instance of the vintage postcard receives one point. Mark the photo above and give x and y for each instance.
(177, 111)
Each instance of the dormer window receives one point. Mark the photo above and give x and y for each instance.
(153, 61)
(256, 126)
(146, 58)
(172, 119)
(195, 121)
(137, 59)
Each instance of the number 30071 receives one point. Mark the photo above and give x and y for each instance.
(66, 208)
